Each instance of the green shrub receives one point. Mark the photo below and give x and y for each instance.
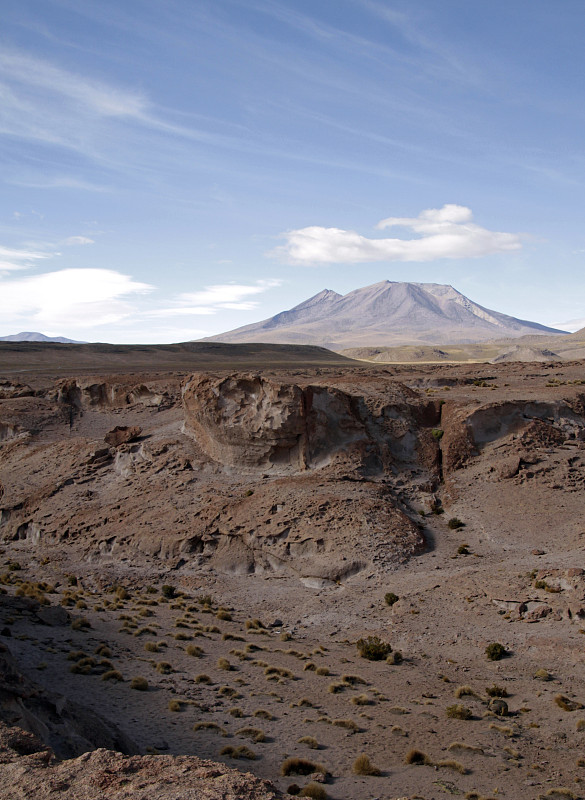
(455, 523)
(373, 648)
(390, 598)
(495, 651)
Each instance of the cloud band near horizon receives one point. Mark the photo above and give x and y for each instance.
(446, 232)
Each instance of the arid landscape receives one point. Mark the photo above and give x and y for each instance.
(281, 568)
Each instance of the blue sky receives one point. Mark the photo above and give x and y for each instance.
(172, 169)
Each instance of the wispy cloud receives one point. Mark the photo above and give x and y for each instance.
(69, 298)
(71, 241)
(446, 232)
(15, 259)
(229, 296)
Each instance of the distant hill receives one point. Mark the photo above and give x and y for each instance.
(33, 336)
(386, 314)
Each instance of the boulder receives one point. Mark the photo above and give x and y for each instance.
(122, 434)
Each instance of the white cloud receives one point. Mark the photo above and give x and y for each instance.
(232, 296)
(81, 298)
(446, 232)
(74, 240)
(14, 259)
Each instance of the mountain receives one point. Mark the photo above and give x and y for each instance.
(33, 336)
(386, 313)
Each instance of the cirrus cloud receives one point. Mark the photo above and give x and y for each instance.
(446, 232)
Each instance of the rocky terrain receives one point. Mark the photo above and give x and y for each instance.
(347, 581)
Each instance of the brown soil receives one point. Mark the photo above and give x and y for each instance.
(343, 494)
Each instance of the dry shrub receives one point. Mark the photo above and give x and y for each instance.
(239, 752)
(417, 758)
(300, 766)
(450, 764)
(310, 741)
(458, 711)
(363, 766)
(313, 790)
(566, 704)
(255, 734)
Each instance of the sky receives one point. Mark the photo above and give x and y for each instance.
(174, 169)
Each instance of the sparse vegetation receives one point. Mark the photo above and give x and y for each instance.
(373, 648)
(495, 651)
(454, 523)
(140, 684)
(390, 598)
(458, 711)
(300, 766)
(417, 758)
(363, 766)
(239, 752)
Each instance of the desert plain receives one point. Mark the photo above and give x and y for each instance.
(194, 543)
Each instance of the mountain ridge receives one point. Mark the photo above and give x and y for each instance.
(386, 313)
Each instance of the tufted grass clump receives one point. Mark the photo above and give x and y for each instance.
(300, 766)
(202, 678)
(362, 700)
(313, 790)
(363, 766)
(262, 713)
(347, 724)
(496, 691)
(395, 657)
(542, 675)
(373, 648)
(223, 663)
(449, 763)
(417, 758)
(253, 625)
(164, 668)
(242, 751)
(322, 671)
(310, 741)
(80, 624)
(175, 705)
(112, 675)
(458, 711)
(466, 691)
(140, 684)
(209, 726)
(194, 650)
(255, 734)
